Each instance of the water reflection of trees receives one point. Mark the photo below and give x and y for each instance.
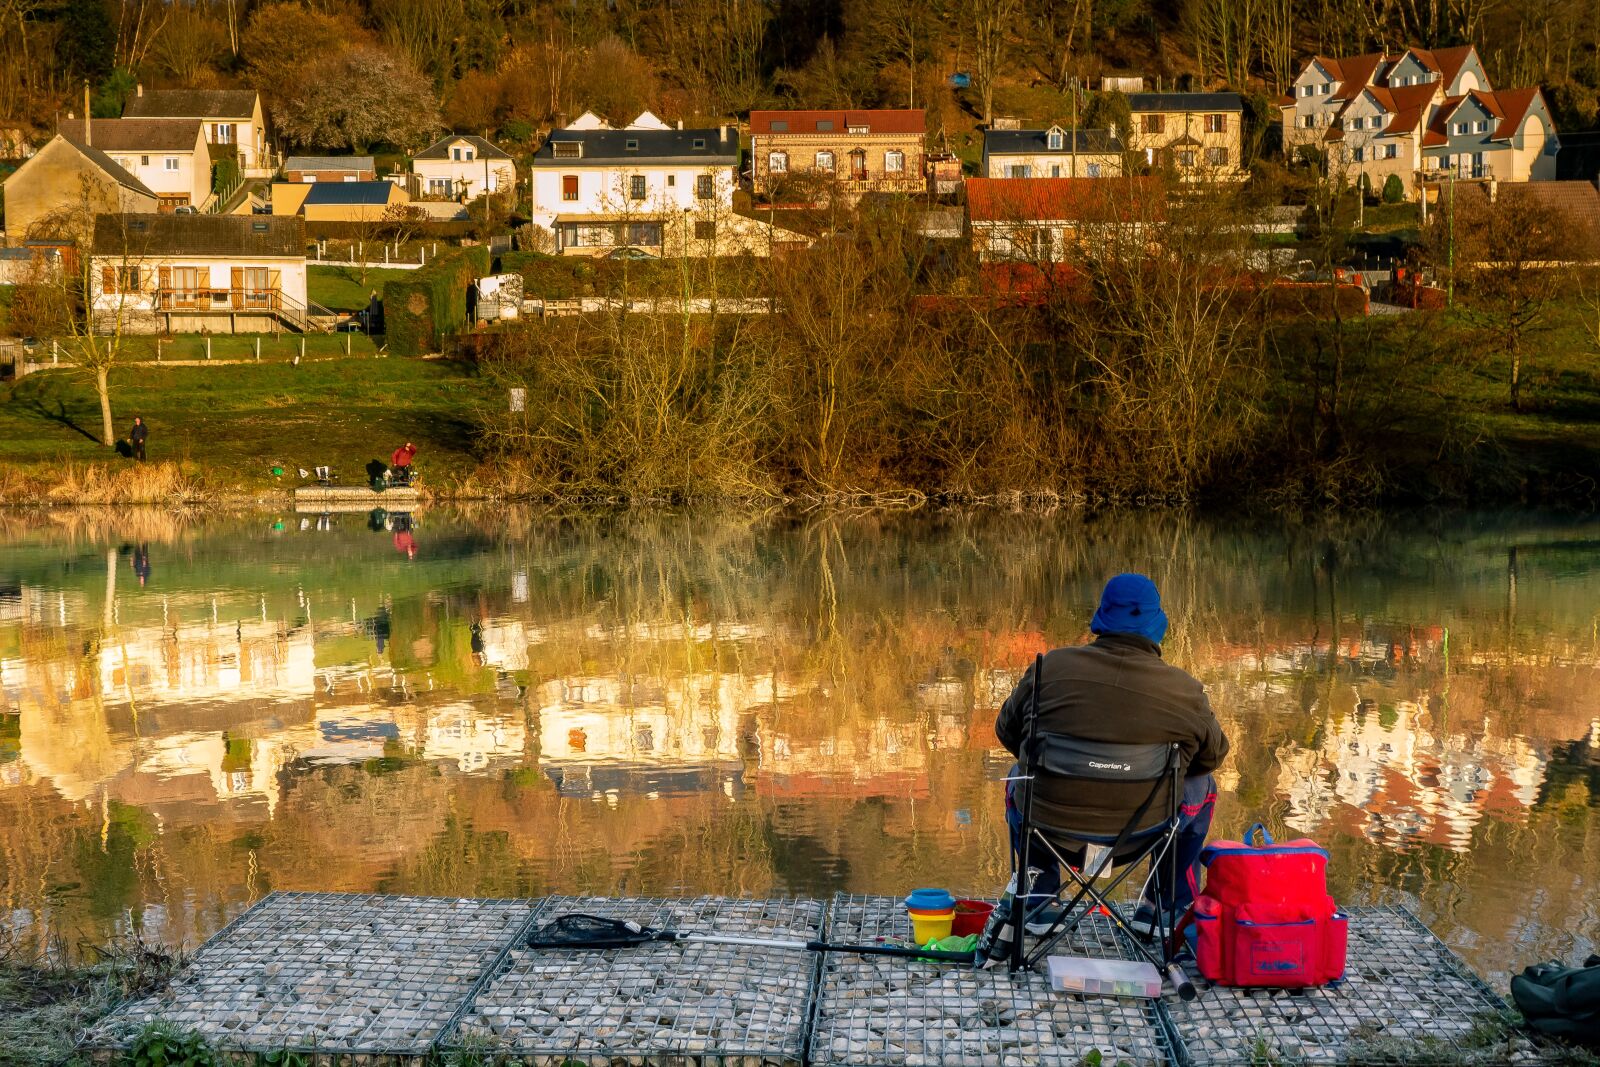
(856, 661)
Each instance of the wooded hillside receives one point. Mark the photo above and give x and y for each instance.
(510, 66)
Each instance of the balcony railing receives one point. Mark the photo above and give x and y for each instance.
(175, 298)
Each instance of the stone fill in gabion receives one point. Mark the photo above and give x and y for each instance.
(885, 1012)
(1405, 999)
(331, 972)
(679, 1003)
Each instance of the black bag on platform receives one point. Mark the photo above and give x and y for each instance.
(1561, 1001)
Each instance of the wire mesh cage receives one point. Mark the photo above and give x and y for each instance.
(681, 1003)
(330, 973)
(884, 1012)
(1405, 999)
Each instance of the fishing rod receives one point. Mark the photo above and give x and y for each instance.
(581, 931)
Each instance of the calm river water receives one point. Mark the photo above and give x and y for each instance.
(197, 711)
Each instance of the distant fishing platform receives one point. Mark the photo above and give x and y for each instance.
(352, 498)
(376, 979)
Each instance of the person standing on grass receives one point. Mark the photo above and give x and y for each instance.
(137, 437)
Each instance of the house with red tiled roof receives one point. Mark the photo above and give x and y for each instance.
(1418, 114)
(1035, 220)
(852, 152)
(1507, 135)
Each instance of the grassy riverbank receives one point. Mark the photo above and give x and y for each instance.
(218, 430)
(1406, 428)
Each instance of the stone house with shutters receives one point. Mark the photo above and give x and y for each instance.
(856, 152)
(168, 156)
(198, 273)
(1196, 136)
(232, 120)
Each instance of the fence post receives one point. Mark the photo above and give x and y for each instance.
(302, 346)
(55, 351)
(208, 346)
(258, 348)
(347, 344)
(158, 348)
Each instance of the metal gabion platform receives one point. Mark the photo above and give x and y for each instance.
(882, 1012)
(1405, 999)
(330, 973)
(684, 1003)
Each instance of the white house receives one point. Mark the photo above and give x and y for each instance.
(191, 273)
(230, 117)
(462, 166)
(602, 189)
(167, 156)
(1051, 153)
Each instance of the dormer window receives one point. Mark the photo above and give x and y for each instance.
(567, 149)
(699, 143)
(780, 125)
(858, 129)
(631, 144)
(824, 125)
(1055, 139)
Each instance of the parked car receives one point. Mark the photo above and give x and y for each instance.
(629, 253)
(186, 209)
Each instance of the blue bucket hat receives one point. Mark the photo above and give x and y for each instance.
(1130, 605)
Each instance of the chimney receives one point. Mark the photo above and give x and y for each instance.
(680, 124)
(724, 131)
(88, 136)
(138, 89)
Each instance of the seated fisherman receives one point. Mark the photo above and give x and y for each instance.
(400, 463)
(1118, 690)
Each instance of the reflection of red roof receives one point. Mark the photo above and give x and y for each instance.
(898, 120)
(1061, 199)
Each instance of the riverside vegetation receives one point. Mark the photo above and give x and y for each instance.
(1146, 362)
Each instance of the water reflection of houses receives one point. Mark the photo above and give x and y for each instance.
(605, 736)
(1386, 773)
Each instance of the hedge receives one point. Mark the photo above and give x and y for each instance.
(430, 303)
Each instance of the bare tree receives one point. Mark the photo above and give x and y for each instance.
(1053, 32)
(989, 24)
(191, 40)
(1515, 256)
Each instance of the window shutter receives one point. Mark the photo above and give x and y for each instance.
(236, 283)
(164, 277)
(108, 279)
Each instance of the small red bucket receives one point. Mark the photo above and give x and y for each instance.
(971, 917)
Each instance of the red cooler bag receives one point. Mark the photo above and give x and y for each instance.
(1265, 917)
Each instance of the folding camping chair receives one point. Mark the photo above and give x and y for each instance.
(1094, 764)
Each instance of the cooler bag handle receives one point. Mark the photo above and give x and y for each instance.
(1261, 828)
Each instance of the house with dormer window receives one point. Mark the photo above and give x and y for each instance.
(598, 189)
(854, 152)
(1506, 135)
(1051, 153)
(1419, 114)
(462, 167)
